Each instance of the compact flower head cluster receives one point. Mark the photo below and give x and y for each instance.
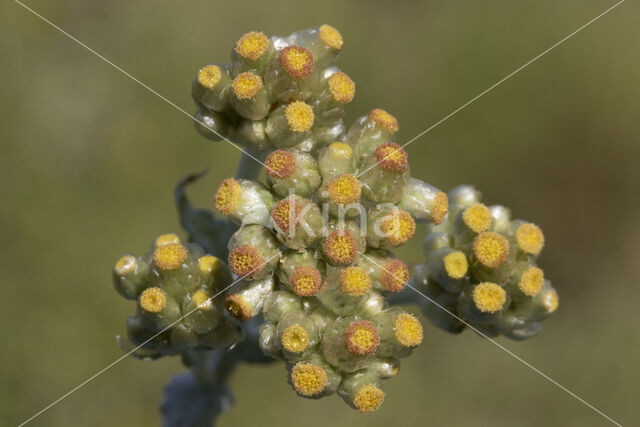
(481, 266)
(313, 248)
(174, 285)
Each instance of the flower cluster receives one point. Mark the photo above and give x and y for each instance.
(313, 248)
(481, 266)
(174, 285)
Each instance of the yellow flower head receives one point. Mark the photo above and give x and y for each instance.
(340, 150)
(439, 208)
(395, 275)
(308, 379)
(331, 37)
(531, 281)
(340, 247)
(245, 260)
(306, 281)
(169, 256)
(296, 61)
(153, 300)
(344, 189)
(295, 339)
(252, 45)
(398, 226)
(285, 213)
(280, 164)
(477, 217)
(125, 265)
(408, 330)
(228, 196)
(238, 307)
(384, 120)
(341, 87)
(209, 76)
(530, 238)
(299, 116)
(491, 249)
(489, 297)
(354, 281)
(368, 398)
(391, 157)
(361, 338)
(456, 265)
(246, 85)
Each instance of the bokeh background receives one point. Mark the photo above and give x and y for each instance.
(88, 161)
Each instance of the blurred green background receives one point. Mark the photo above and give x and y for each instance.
(88, 160)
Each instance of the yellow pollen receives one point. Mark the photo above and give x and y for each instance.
(295, 339)
(306, 281)
(153, 300)
(246, 85)
(208, 264)
(228, 196)
(280, 164)
(361, 338)
(368, 398)
(477, 217)
(354, 281)
(491, 249)
(296, 61)
(238, 307)
(285, 213)
(395, 275)
(439, 208)
(391, 157)
(126, 265)
(530, 238)
(398, 226)
(299, 116)
(165, 239)
(342, 88)
(340, 150)
(344, 189)
(456, 265)
(384, 120)
(550, 301)
(209, 76)
(202, 300)
(531, 281)
(169, 256)
(308, 379)
(245, 260)
(252, 45)
(408, 330)
(330, 36)
(489, 297)
(340, 247)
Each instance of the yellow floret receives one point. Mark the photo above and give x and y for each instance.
(252, 45)
(295, 339)
(456, 264)
(491, 249)
(391, 157)
(550, 301)
(228, 196)
(384, 120)
(395, 275)
(246, 85)
(169, 256)
(340, 150)
(344, 189)
(306, 281)
(238, 307)
(362, 338)
(125, 265)
(153, 300)
(209, 76)
(245, 260)
(531, 281)
(331, 37)
(296, 61)
(299, 116)
(341, 87)
(439, 208)
(340, 247)
(308, 379)
(354, 281)
(208, 264)
(398, 226)
(489, 297)
(477, 217)
(202, 300)
(165, 239)
(530, 238)
(285, 213)
(408, 330)
(280, 164)
(368, 398)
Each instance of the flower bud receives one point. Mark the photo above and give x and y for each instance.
(247, 300)
(211, 87)
(400, 333)
(252, 52)
(301, 272)
(385, 175)
(297, 222)
(249, 97)
(335, 159)
(129, 276)
(389, 227)
(424, 202)
(349, 343)
(290, 125)
(253, 252)
(386, 272)
(292, 171)
(342, 196)
(344, 289)
(245, 202)
(362, 392)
